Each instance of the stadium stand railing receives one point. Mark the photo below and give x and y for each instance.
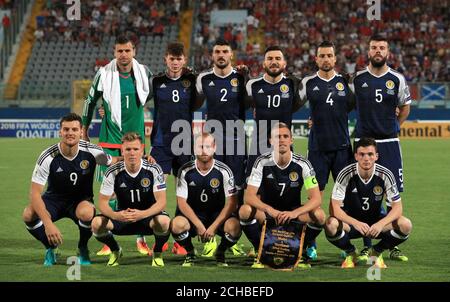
(56, 58)
(15, 14)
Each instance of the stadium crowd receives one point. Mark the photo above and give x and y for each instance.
(419, 32)
(107, 18)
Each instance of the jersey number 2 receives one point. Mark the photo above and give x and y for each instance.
(224, 91)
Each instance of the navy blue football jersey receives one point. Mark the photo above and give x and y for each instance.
(281, 187)
(69, 179)
(205, 193)
(225, 96)
(377, 98)
(174, 100)
(330, 101)
(134, 191)
(363, 200)
(272, 102)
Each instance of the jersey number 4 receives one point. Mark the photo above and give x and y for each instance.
(329, 99)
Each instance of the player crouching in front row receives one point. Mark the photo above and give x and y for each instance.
(141, 199)
(68, 167)
(206, 200)
(356, 206)
(274, 189)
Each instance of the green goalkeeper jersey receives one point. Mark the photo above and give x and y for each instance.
(132, 114)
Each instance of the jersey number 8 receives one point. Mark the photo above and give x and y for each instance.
(175, 96)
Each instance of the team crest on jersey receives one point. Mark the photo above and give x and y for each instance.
(234, 82)
(377, 190)
(390, 84)
(293, 176)
(214, 183)
(84, 164)
(339, 86)
(186, 83)
(145, 182)
(284, 88)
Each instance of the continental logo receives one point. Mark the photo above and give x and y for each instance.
(425, 130)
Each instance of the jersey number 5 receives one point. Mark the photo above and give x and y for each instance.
(378, 96)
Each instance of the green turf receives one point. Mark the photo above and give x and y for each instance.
(426, 202)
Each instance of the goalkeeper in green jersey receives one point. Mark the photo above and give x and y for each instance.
(124, 85)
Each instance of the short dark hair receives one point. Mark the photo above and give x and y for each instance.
(280, 125)
(175, 49)
(274, 48)
(379, 38)
(131, 137)
(221, 42)
(326, 44)
(70, 118)
(124, 39)
(365, 142)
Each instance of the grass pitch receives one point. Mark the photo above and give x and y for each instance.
(426, 203)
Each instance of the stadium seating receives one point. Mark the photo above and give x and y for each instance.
(56, 59)
(418, 31)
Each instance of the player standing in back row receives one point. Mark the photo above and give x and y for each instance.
(125, 87)
(330, 100)
(379, 91)
(224, 90)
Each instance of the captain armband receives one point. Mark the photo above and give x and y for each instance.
(311, 182)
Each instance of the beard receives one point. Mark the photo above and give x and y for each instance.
(376, 63)
(326, 68)
(273, 74)
(221, 65)
(204, 158)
